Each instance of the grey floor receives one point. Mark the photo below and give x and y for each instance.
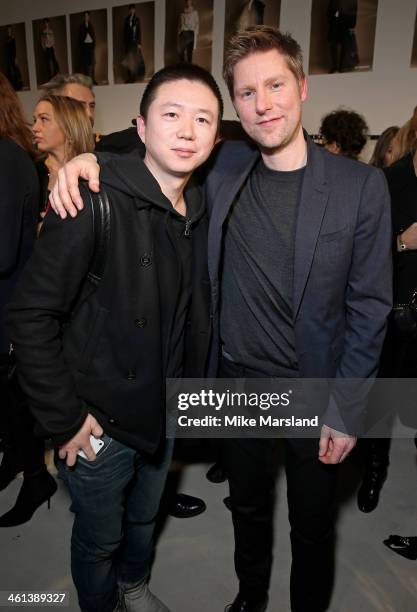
(193, 570)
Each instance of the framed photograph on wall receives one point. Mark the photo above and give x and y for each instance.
(342, 37)
(133, 42)
(50, 47)
(414, 50)
(241, 14)
(89, 45)
(14, 56)
(189, 32)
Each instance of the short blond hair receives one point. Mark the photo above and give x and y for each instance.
(257, 39)
(72, 119)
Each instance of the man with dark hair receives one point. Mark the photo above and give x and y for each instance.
(93, 357)
(344, 132)
(300, 253)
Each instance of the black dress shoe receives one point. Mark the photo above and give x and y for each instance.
(35, 491)
(216, 474)
(186, 506)
(241, 604)
(404, 546)
(370, 489)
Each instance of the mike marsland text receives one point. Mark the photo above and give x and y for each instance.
(262, 420)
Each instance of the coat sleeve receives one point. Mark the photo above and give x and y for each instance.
(368, 302)
(11, 210)
(42, 303)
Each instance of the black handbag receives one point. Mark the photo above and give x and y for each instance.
(405, 316)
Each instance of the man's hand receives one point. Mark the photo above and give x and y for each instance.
(65, 196)
(334, 446)
(81, 441)
(409, 237)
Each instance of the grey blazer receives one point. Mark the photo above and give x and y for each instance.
(342, 268)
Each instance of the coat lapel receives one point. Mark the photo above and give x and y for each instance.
(312, 206)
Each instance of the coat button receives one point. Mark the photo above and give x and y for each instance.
(140, 322)
(112, 421)
(145, 260)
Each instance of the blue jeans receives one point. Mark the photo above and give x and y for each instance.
(115, 500)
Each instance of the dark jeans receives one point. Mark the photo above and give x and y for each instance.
(115, 500)
(311, 502)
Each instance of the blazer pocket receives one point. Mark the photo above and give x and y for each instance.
(330, 236)
(92, 340)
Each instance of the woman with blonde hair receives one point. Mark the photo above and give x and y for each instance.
(61, 130)
(406, 139)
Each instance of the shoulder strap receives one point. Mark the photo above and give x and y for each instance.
(100, 207)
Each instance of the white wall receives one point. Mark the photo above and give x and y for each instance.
(385, 96)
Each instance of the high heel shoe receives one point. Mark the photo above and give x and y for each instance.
(404, 546)
(36, 490)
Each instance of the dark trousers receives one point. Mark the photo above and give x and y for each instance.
(186, 46)
(23, 449)
(311, 502)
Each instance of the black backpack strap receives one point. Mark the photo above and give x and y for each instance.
(100, 207)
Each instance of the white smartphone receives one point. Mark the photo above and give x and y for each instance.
(96, 443)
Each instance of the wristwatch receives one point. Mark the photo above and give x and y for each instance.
(401, 244)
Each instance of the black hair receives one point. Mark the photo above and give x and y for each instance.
(347, 129)
(178, 72)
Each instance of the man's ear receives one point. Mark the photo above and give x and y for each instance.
(303, 89)
(141, 128)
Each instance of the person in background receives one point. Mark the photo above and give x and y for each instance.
(77, 86)
(401, 342)
(375, 451)
(61, 130)
(132, 35)
(12, 69)
(344, 132)
(19, 200)
(188, 28)
(48, 47)
(87, 46)
(383, 155)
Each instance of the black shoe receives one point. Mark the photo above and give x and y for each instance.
(404, 546)
(186, 506)
(35, 491)
(216, 474)
(228, 503)
(242, 605)
(370, 489)
(8, 471)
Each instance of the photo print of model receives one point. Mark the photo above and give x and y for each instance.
(342, 37)
(50, 46)
(133, 42)
(240, 14)
(414, 51)
(89, 45)
(189, 32)
(13, 55)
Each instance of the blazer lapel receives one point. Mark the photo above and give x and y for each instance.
(312, 206)
(223, 201)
